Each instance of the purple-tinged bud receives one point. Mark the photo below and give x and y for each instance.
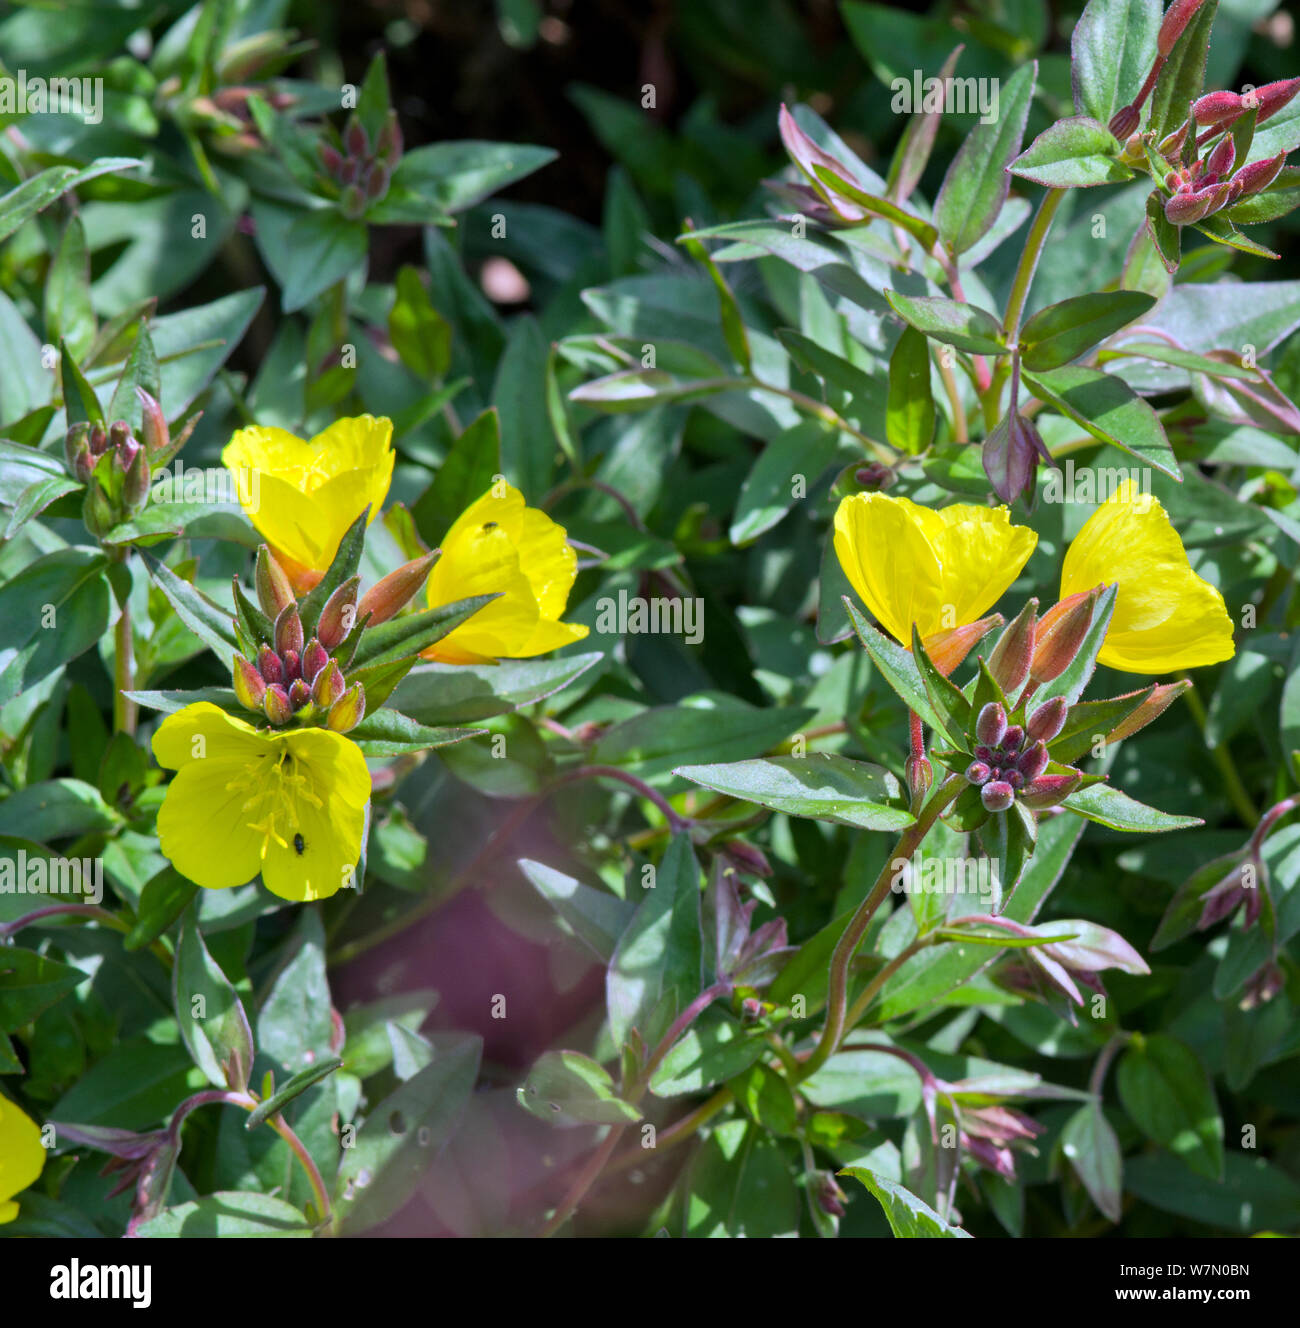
(1215, 108)
(98, 440)
(153, 425)
(292, 665)
(1124, 122)
(949, 647)
(77, 453)
(746, 858)
(751, 1009)
(1171, 146)
(355, 139)
(396, 590)
(250, 686)
(330, 157)
(1012, 739)
(348, 172)
(983, 753)
(1060, 634)
(314, 658)
(1049, 790)
(875, 476)
(978, 772)
(1176, 19)
(276, 705)
(1014, 778)
(1262, 986)
(119, 434)
(1174, 181)
(328, 686)
(920, 777)
(1272, 97)
(274, 592)
(997, 795)
(376, 182)
(299, 694)
(1009, 662)
(349, 710)
(1033, 762)
(828, 1195)
(1011, 454)
(1223, 158)
(135, 489)
(269, 665)
(1161, 698)
(1048, 720)
(288, 630)
(1187, 206)
(1257, 176)
(339, 614)
(991, 725)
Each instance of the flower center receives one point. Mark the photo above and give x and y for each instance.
(279, 786)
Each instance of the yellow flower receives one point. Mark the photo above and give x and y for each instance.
(21, 1156)
(1166, 617)
(303, 496)
(291, 805)
(498, 544)
(937, 569)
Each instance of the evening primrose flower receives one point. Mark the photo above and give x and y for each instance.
(1166, 618)
(290, 805)
(938, 569)
(499, 545)
(22, 1156)
(303, 496)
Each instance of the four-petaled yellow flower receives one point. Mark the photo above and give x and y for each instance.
(500, 545)
(22, 1156)
(1166, 618)
(938, 569)
(303, 496)
(291, 805)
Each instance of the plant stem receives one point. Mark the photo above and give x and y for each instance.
(1033, 251)
(586, 1178)
(872, 989)
(1232, 784)
(125, 711)
(1108, 1053)
(837, 1002)
(676, 1133)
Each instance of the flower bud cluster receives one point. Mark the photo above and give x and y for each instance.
(362, 170)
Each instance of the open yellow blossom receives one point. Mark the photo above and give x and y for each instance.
(303, 496)
(499, 545)
(291, 805)
(938, 569)
(22, 1156)
(1166, 617)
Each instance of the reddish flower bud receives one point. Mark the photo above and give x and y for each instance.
(1012, 739)
(77, 453)
(269, 665)
(299, 694)
(1031, 763)
(135, 489)
(1060, 634)
(1049, 790)
(991, 724)
(339, 614)
(1177, 17)
(983, 753)
(349, 710)
(1257, 176)
(978, 773)
(153, 425)
(1048, 720)
(98, 440)
(1215, 108)
(920, 777)
(119, 434)
(1272, 97)
(1223, 158)
(746, 858)
(997, 795)
(1124, 122)
(292, 665)
(396, 590)
(274, 593)
(1171, 146)
(875, 476)
(1009, 662)
(355, 139)
(1161, 698)
(1011, 454)
(330, 157)
(276, 706)
(250, 686)
(288, 630)
(376, 182)
(388, 146)
(314, 658)
(948, 648)
(328, 686)
(349, 171)
(1189, 206)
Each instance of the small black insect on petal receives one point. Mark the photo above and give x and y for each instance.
(300, 844)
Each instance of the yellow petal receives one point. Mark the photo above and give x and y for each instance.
(1166, 618)
(203, 827)
(981, 554)
(21, 1156)
(204, 731)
